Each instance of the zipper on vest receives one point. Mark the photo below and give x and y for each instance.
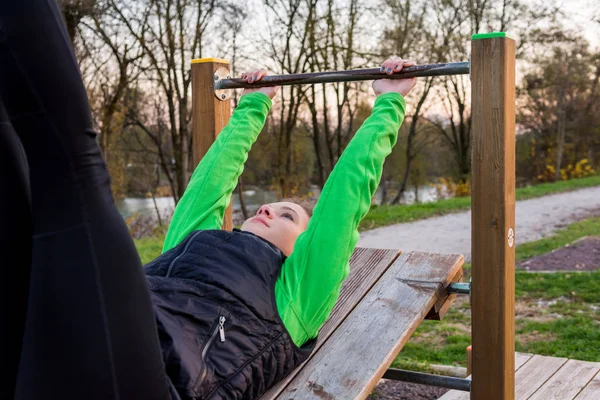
(222, 328)
(219, 329)
(185, 249)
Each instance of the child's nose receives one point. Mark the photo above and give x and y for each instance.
(265, 210)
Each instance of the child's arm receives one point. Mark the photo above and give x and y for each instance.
(208, 193)
(309, 284)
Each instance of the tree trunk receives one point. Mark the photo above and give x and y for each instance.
(160, 222)
(405, 178)
(316, 137)
(560, 131)
(416, 192)
(241, 195)
(383, 187)
(560, 141)
(411, 152)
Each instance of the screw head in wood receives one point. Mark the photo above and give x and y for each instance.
(511, 237)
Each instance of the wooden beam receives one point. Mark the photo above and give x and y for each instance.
(493, 216)
(209, 114)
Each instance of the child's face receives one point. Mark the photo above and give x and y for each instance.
(279, 223)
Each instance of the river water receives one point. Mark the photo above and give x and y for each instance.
(145, 206)
(253, 197)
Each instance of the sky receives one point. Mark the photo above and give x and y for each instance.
(580, 14)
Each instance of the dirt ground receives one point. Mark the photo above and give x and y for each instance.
(393, 390)
(581, 255)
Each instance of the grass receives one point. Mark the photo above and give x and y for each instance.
(388, 215)
(557, 314)
(149, 248)
(576, 288)
(573, 337)
(545, 189)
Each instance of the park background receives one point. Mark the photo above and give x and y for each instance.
(135, 57)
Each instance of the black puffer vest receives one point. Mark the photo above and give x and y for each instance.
(220, 332)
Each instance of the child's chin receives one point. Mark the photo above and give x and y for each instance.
(255, 228)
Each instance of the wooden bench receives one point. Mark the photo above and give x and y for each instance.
(384, 299)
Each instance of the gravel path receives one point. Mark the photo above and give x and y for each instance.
(535, 218)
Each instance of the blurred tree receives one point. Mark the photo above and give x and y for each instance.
(559, 104)
(285, 44)
(332, 45)
(170, 33)
(407, 37)
(73, 12)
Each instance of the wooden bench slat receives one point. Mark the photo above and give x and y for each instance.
(358, 353)
(365, 270)
(568, 381)
(366, 267)
(591, 391)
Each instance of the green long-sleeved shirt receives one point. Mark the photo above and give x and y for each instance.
(310, 279)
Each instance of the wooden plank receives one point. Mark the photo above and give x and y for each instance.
(209, 115)
(591, 391)
(441, 307)
(568, 381)
(533, 374)
(493, 218)
(455, 395)
(366, 267)
(358, 353)
(520, 360)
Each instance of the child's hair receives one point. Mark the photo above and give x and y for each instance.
(307, 204)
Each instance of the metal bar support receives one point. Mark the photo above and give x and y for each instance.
(453, 68)
(459, 288)
(421, 378)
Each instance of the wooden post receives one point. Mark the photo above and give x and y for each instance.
(493, 216)
(469, 360)
(209, 114)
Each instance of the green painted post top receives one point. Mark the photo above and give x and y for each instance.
(490, 35)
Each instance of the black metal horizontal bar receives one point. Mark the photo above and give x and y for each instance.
(459, 288)
(455, 68)
(448, 382)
